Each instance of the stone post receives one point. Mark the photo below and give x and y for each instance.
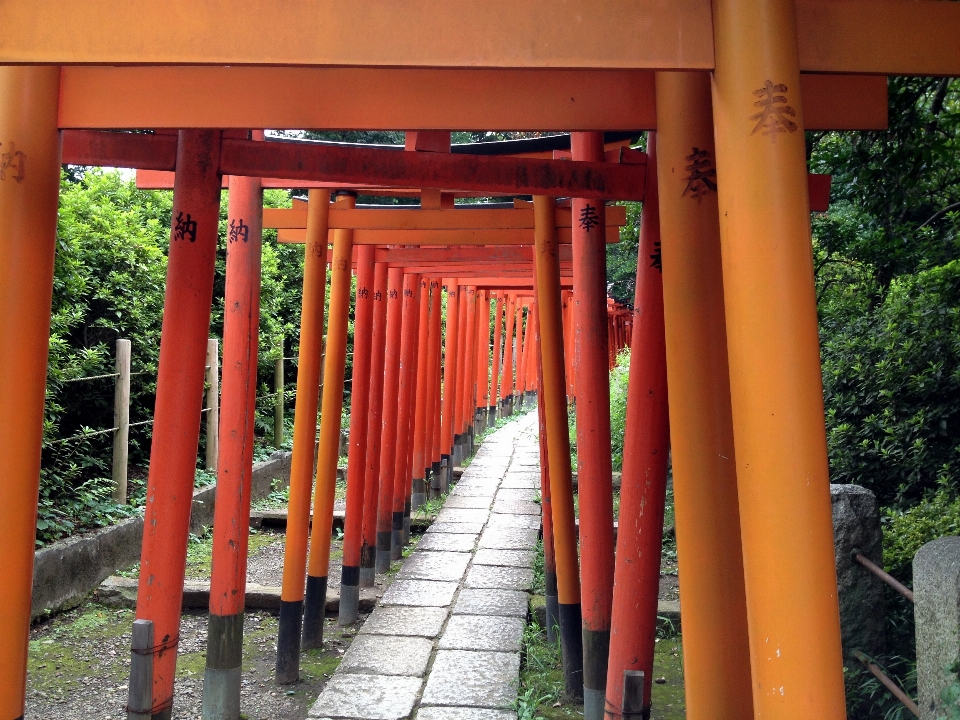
(856, 527)
(936, 587)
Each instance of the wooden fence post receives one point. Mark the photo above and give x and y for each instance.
(121, 421)
(213, 403)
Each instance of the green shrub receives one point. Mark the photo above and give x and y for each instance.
(892, 387)
(619, 380)
(906, 531)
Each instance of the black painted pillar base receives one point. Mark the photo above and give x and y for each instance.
(288, 641)
(596, 651)
(314, 610)
(571, 646)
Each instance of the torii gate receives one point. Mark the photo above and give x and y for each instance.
(756, 52)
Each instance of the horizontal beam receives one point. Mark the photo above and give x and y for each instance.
(909, 37)
(441, 171)
(461, 219)
(364, 167)
(442, 237)
(368, 98)
(391, 98)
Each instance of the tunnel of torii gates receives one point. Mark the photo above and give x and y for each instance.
(725, 306)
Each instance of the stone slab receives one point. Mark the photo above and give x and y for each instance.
(473, 491)
(506, 558)
(463, 515)
(454, 542)
(424, 593)
(509, 538)
(505, 578)
(491, 601)
(473, 679)
(401, 620)
(391, 655)
(508, 507)
(520, 482)
(452, 527)
(460, 713)
(427, 565)
(467, 501)
(518, 494)
(479, 632)
(367, 697)
(530, 522)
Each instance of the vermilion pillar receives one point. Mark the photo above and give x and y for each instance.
(495, 370)
(238, 388)
(357, 454)
(506, 378)
(449, 382)
(410, 311)
(420, 320)
(773, 347)
(419, 492)
(462, 335)
(593, 431)
(521, 336)
(328, 447)
(553, 397)
(470, 371)
(716, 657)
(304, 438)
(371, 485)
(29, 99)
(176, 425)
(549, 557)
(391, 391)
(433, 387)
(483, 360)
(645, 448)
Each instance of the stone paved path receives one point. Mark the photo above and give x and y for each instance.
(444, 643)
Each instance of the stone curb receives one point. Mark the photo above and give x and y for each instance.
(64, 572)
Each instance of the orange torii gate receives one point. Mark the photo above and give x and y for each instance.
(756, 51)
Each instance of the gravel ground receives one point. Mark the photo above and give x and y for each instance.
(79, 661)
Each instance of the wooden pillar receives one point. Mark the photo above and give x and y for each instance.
(483, 362)
(357, 454)
(231, 519)
(568, 343)
(775, 378)
(391, 392)
(716, 655)
(470, 371)
(497, 355)
(595, 484)
(304, 437)
(506, 376)
(371, 484)
(553, 397)
(645, 448)
(410, 311)
(328, 449)
(419, 491)
(432, 457)
(449, 381)
(29, 101)
(176, 425)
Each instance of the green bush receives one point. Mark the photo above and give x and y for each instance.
(892, 387)
(619, 379)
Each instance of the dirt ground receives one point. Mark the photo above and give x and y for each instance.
(79, 661)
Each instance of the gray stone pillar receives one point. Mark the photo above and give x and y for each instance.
(936, 589)
(856, 526)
